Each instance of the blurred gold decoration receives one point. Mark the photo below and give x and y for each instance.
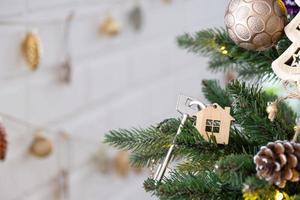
(3, 142)
(110, 26)
(121, 163)
(102, 160)
(41, 145)
(31, 49)
(272, 110)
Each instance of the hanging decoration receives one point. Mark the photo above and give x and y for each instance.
(110, 26)
(41, 145)
(287, 66)
(135, 17)
(121, 163)
(278, 162)
(31, 50)
(213, 123)
(65, 72)
(102, 161)
(255, 25)
(3, 142)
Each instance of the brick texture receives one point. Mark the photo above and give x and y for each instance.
(122, 82)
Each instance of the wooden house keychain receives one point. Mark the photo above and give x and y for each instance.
(213, 123)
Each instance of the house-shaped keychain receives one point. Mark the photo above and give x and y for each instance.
(214, 122)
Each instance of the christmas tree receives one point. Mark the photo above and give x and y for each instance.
(262, 157)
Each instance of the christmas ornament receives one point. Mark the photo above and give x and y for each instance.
(213, 123)
(3, 142)
(292, 30)
(41, 145)
(31, 49)
(255, 25)
(278, 162)
(65, 70)
(272, 110)
(121, 162)
(102, 160)
(292, 7)
(110, 26)
(135, 17)
(187, 106)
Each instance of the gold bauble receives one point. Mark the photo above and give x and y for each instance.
(41, 146)
(256, 24)
(110, 26)
(31, 49)
(121, 163)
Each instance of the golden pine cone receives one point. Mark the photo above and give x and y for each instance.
(31, 50)
(278, 162)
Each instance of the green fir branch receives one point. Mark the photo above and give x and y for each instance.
(184, 186)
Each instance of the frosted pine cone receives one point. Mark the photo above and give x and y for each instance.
(3, 142)
(278, 162)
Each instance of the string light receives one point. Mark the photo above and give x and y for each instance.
(279, 195)
(223, 50)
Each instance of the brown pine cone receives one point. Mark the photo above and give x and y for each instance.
(278, 162)
(3, 142)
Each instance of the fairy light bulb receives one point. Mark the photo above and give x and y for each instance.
(279, 196)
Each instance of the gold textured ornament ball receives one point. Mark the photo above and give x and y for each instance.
(255, 24)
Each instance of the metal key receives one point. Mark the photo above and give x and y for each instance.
(187, 106)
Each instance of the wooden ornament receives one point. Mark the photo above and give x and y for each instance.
(213, 123)
(121, 163)
(31, 50)
(287, 66)
(3, 142)
(135, 17)
(41, 146)
(292, 30)
(102, 161)
(65, 72)
(110, 26)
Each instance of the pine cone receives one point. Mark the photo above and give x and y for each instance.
(278, 162)
(3, 142)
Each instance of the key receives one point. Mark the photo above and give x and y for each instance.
(187, 106)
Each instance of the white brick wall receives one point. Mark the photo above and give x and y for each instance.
(122, 82)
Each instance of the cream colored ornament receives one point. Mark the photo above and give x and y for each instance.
(41, 146)
(287, 66)
(121, 163)
(292, 30)
(31, 50)
(102, 160)
(257, 24)
(110, 26)
(213, 123)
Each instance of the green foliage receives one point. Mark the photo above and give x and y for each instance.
(224, 54)
(200, 158)
(206, 170)
(184, 186)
